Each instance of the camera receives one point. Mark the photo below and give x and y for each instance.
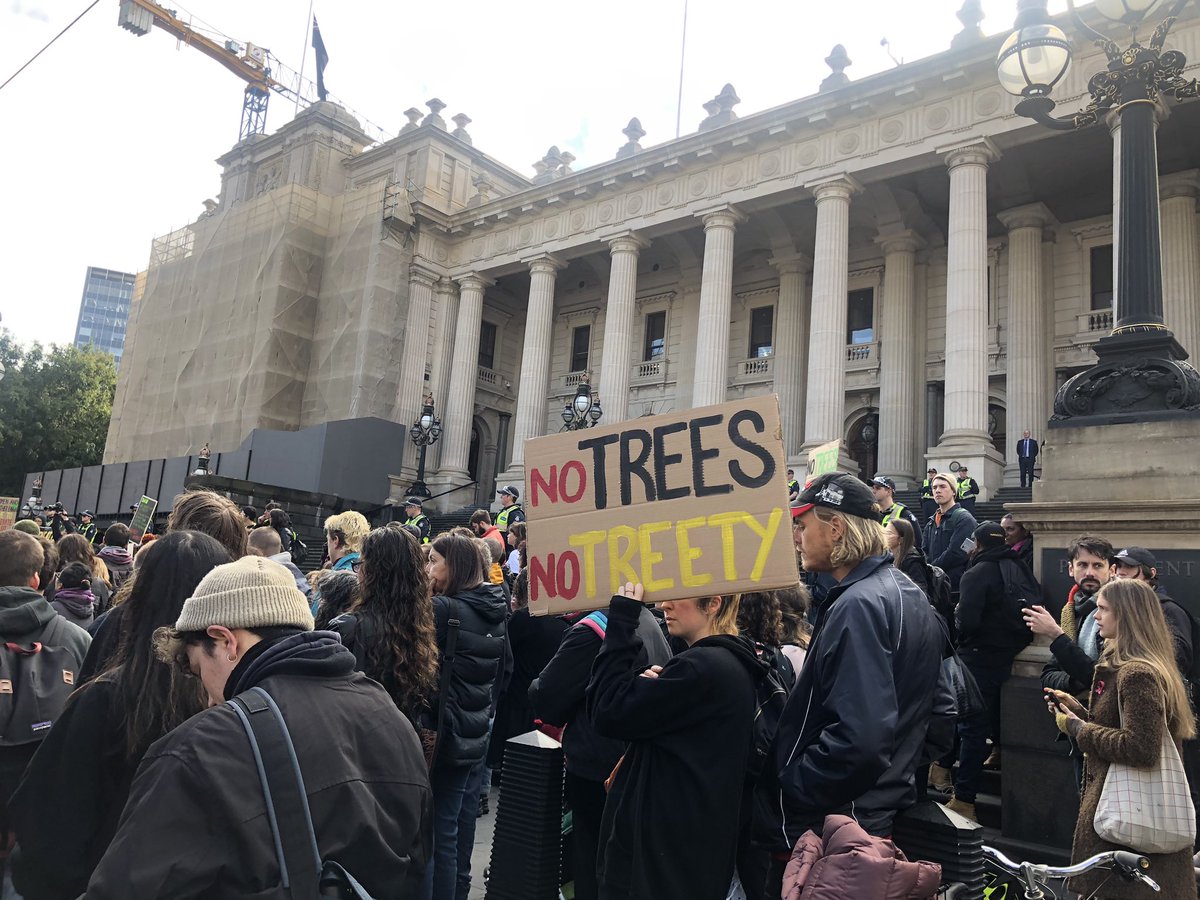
(57, 507)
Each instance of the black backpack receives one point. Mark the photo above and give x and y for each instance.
(35, 682)
(298, 550)
(941, 596)
(770, 697)
(1191, 678)
(1021, 590)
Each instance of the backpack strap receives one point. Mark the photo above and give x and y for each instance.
(597, 621)
(284, 793)
(452, 626)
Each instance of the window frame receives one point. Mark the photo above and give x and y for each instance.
(574, 349)
(751, 352)
(646, 355)
(866, 288)
(483, 325)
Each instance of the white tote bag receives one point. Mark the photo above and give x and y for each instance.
(1148, 810)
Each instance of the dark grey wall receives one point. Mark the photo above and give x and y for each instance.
(359, 455)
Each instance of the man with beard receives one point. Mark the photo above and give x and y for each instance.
(1075, 639)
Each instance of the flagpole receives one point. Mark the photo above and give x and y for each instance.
(682, 52)
(304, 55)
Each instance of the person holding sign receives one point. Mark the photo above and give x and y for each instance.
(670, 826)
(851, 735)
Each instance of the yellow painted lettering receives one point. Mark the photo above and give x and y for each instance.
(587, 541)
(725, 521)
(768, 537)
(650, 557)
(689, 554)
(620, 568)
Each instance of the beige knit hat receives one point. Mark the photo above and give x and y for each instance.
(253, 592)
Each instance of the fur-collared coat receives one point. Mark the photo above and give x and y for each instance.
(1104, 741)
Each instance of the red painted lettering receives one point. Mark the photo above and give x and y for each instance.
(542, 575)
(539, 485)
(580, 473)
(568, 575)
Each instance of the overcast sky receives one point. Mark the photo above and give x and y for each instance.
(109, 139)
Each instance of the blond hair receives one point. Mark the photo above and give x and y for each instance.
(350, 527)
(1143, 637)
(861, 538)
(725, 618)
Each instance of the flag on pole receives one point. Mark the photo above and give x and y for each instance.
(322, 60)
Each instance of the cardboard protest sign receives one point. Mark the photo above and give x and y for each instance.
(142, 517)
(822, 460)
(690, 504)
(9, 507)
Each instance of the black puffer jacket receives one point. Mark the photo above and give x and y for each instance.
(558, 695)
(482, 665)
(855, 724)
(196, 821)
(987, 626)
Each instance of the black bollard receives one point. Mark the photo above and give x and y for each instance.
(931, 832)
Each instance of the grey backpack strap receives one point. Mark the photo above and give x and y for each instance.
(283, 790)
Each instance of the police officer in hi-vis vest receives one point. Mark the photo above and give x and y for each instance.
(884, 490)
(510, 512)
(418, 519)
(928, 504)
(968, 490)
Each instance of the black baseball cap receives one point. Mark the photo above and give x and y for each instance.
(884, 482)
(840, 492)
(510, 490)
(1136, 556)
(413, 501)
(989, 534)
(88, 513)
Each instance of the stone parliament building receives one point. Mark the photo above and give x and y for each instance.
(909, 265)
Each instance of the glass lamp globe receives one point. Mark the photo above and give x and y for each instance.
(435, 430)
(1128, 12)
(583, 403)
(415, 433)
(1033, 60)
(596, 412)
(568, 414)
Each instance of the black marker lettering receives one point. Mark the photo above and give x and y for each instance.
(751, 447)
(662, 459)
(699, 455)
(631, 467)
(597, 445)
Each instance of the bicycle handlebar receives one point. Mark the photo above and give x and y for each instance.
(1131, 865)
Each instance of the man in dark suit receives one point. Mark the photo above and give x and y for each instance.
(1027, 451)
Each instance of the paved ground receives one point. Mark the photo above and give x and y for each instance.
(483, 847)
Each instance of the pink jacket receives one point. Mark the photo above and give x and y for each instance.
(845, 861)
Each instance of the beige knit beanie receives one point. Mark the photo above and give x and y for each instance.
(253, 592)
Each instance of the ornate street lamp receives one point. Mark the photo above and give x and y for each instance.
(1141, 374)
(425, 431)
(583, 410)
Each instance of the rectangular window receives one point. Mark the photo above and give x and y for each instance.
(655, 345)
(860, 317)
(1102, 277)
(581, 345)
(762, 322)
(487, 345)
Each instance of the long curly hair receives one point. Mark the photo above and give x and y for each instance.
(760, 618)
(396, 607)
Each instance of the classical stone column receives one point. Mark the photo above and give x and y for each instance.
(965, 438)
(1181, 259)
(898, 388)
(1026, 352)
(618, 326)
(825, 403)
(791, 327)
(716, 298)
(459, 406)
(445, 295)
(411, 390)
(530, 420)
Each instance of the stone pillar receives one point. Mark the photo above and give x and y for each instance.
(459, 407)
(412, 387)
(824, 406)
(791, 326)
(898, 386)
(966, 438)
(618, 326)
(716, 299)
(445, 294)
(1027, 298)
(1181, 259)
(530, 419)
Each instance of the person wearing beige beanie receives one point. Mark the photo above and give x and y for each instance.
(197, 822)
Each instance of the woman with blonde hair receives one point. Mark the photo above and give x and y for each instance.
(1136, 693)
(688, 726)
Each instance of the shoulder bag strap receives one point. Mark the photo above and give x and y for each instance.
(452, 625)
(283, 789)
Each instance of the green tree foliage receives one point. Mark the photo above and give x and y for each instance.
(54, 409)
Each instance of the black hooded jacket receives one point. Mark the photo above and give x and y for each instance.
(855, 724)
(671, 819)
(196, 821)
(988, 626)
(482, 666)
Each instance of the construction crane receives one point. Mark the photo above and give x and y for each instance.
(249, 62)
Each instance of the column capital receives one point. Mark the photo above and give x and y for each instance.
(791, 263)
(1179, 184)
(899, 240)
(1031, 215)
(421, 273)
(626, 242)
(544, 263)
(445, 285)
(723, 216)
(977, 152)
(474, 281)
(842, 186)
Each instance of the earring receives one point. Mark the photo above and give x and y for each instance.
(232, 658)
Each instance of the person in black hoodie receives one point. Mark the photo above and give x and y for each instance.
(901, 542)
(73, 597)
(115, 554)
(671, 821)
(991, 632)
(473, 613)
(197, 823)
(67, 807)
(558, 697)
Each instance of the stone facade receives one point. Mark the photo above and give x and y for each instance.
(911, 267)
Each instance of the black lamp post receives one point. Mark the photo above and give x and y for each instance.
(583, 410)
(1141, 374)
(425, 431)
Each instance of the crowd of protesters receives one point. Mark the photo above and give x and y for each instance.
(707, 741)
